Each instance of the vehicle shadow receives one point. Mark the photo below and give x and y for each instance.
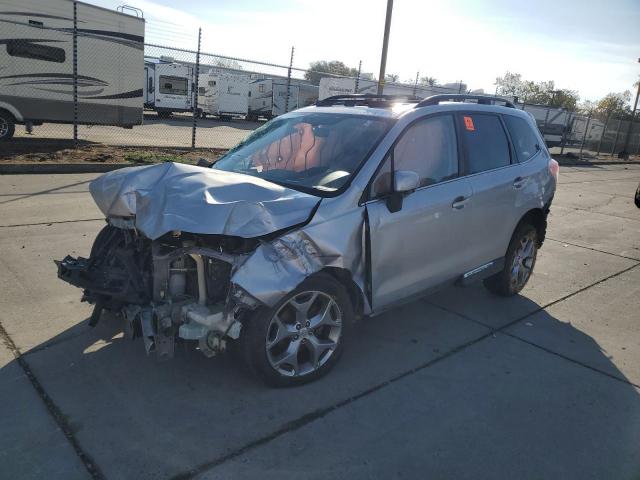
(138, 417)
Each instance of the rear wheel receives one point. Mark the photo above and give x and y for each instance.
(7, 126)
(519, 262)
(302, 337)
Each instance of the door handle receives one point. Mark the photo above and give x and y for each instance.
(459, 202)
(519, 182)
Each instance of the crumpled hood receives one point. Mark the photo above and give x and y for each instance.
(174, 196)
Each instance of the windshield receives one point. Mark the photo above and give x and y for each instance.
(307, 151)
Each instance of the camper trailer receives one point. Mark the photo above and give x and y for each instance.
(307, 94)
(224, 95)
(168, 86)
(330, 86)
(268, 98)
(36, 65)
(554, 123)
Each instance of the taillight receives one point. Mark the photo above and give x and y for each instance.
(554, 168)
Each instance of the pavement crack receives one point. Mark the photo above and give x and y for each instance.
(51, 223)
(572, 360)
(52, 408)
(593, 249)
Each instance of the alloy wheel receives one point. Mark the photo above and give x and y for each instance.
(303, 334)
(523, 260)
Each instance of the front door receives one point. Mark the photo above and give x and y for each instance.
(425, 242)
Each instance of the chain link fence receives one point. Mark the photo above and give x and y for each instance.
(85, 77)
(587, 135)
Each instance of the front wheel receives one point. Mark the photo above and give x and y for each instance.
(302, 337)
(7, 126)
(518, 264)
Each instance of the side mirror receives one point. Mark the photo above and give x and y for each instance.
(405, 181)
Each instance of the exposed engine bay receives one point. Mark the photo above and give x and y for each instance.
(177, 286)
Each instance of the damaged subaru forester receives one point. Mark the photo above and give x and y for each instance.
(321, 216)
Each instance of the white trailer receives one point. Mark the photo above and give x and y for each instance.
(554, 123)
(36, 65)
(331, 86)
(223, 95)
(268, 98)
(168, 86)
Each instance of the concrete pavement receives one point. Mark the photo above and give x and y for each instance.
(460, 384)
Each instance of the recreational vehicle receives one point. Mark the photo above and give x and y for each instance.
(168, 86)
(268, 98)
(554, 123)
(223, 95)
(36, 65)
(330, 86)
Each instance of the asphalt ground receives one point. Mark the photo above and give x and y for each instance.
(460, 384)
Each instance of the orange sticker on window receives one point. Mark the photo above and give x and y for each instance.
(468, 123)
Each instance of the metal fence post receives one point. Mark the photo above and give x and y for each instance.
(584, 136)
(546, 119)
(286, 104)
(615, 143)
(358, 77)
(604, 130)
(195, 92)
(75, 74)
(564, 133)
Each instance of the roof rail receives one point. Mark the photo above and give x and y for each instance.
(455, 97)
(367, 99)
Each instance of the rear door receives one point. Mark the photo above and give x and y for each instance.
(495, 178)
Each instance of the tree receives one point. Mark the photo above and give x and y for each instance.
(429, 81)
(391, 77)
(613, 104)
(543, 93)
(335, 67)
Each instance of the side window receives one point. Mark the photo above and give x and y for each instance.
(173, 85)
(486, 141)
(35, 51)
(524, 139)
(429, 148)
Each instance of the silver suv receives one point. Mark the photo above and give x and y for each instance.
(322, 216)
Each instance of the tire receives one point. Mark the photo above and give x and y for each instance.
(637, 197)
(265, 342)
(519, 263)
(7, 126)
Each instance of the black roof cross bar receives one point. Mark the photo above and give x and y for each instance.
(366, 99)
(461, 97)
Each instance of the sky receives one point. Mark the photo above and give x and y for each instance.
(585, 45)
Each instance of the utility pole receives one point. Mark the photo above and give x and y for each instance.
(385, 45)
(624, 153)
(358, 77)
(415, 85)
(286, 103)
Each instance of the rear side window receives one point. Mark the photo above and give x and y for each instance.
(486, 142)
(524, 139)
(35, 51)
